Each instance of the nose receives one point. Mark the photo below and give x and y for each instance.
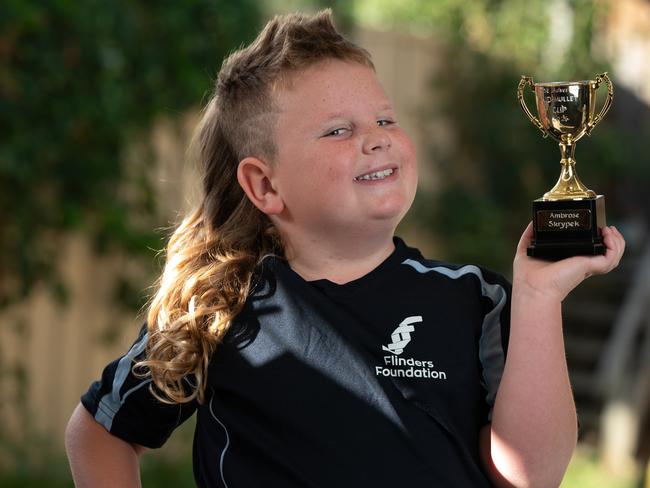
(376, 139)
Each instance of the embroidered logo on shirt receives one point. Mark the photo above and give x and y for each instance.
(402, 335)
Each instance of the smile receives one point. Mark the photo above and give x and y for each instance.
(377, 175)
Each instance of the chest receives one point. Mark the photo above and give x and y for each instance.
(425, 336)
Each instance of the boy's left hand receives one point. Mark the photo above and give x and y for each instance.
(556, 279)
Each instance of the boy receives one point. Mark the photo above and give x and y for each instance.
(316, 347)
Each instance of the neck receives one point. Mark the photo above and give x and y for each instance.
(337, 261)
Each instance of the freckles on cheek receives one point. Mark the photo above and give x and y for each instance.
(335, 174)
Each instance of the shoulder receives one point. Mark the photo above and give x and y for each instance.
(488, 283)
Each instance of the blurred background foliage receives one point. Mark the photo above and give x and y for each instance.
(81, 84)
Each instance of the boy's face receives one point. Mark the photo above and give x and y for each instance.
(344, 167)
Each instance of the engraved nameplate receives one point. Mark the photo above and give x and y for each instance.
(564, 220)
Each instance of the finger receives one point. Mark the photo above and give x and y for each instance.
(602, 263)
(525, 239)
(619, 243)
(608, 239)
(620, 238)
(614, 242)
(611, 251)
(615, 245)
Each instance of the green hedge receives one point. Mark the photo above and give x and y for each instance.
(79, 82)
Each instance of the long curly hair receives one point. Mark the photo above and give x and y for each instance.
(212, 256)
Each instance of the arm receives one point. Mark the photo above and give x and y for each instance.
(98, 458)
(534, 428)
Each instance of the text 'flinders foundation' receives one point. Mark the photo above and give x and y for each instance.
(409, 368)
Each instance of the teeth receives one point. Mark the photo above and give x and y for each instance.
(377, 175)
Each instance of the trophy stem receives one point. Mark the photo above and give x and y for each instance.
(568, 186)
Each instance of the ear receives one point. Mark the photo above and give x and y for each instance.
(254, 176)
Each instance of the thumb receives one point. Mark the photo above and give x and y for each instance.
(525, 239)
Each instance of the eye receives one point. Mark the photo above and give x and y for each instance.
(337, 132)
(385, 122)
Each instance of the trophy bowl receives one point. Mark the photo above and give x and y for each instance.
(566, 109)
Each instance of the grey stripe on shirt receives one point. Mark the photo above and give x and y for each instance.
(112, 401)
(491, 352)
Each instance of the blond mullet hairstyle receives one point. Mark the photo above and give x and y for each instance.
(213, 255)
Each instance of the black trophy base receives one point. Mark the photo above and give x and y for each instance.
(565, 228)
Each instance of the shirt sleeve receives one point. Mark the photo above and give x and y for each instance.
(124, 405)
(495, 330)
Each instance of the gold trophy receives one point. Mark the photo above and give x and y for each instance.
(568, 219)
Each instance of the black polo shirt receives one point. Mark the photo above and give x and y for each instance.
(384, 381)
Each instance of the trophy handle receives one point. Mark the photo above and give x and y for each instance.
(608, 101)
(527, 80)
